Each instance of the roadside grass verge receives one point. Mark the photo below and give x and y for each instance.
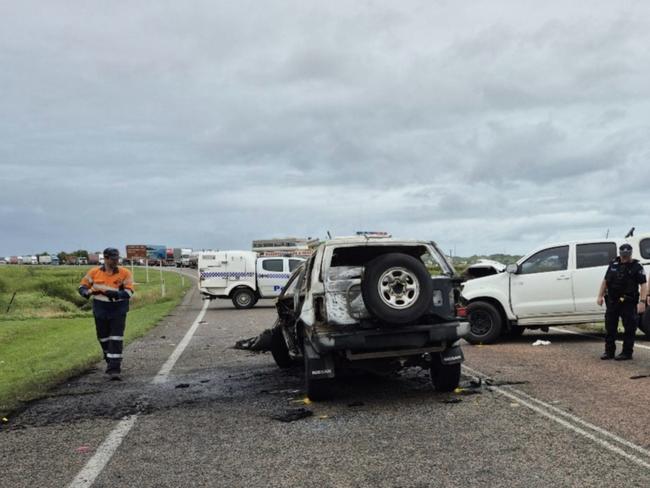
(37, 352)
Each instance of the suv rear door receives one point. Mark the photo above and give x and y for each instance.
(543, 284)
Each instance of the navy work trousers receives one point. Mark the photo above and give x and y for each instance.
(110, 334)
(626, 311)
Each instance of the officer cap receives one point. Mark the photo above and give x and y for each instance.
(111, 252)
(625, 250)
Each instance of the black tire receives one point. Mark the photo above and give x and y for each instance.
(444, 377)
(243, 298)
(396, 304)
(485, 323)
(644, 323)
(279, 349)
(316, 389)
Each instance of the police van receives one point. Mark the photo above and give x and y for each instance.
(243, 276)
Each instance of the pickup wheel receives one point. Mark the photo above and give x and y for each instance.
(444, 377)
(485, 323)
(243, 298)
(279, 349)
(644, 323)
(396, 288)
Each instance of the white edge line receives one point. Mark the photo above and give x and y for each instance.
(105, 451)
(611, 447)
(161, 377)
(575, 332)
(584, 423)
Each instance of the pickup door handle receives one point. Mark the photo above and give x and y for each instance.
(563, 278)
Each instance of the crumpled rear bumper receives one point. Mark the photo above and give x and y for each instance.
(397, 340)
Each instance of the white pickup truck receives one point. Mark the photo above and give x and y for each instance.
(242, 276)
(553, 285)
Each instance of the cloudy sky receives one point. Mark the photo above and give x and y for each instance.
(486, 126)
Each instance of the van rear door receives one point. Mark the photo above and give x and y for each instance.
(212, 269)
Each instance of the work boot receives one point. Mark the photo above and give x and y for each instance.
(607, 355)
(624, 356)
(113, 370)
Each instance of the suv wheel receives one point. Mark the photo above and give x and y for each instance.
(396, 288)
(485, 323)
(279, 348)
(444, 377)
(243, 298)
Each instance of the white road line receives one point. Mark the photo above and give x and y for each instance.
(161, 377)
(513, 394)
(104, 453)
(584, 423)
(96, 464)
(575, 332)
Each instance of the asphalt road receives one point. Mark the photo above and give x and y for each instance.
(569, 419)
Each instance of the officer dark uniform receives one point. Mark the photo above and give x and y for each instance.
(111, 288)
(620, 291)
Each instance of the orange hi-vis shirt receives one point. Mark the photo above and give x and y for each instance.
(99, 279)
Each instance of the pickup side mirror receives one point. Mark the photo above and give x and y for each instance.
(512, 268)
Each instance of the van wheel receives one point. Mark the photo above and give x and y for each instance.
(485, 323)
(444, 377)
(279, 349)
(243, 298)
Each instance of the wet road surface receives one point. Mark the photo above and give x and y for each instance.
(569, 419)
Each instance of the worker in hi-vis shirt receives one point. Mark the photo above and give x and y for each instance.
(111, 288)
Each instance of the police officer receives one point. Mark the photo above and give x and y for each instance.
(620, 291)
(111, 288)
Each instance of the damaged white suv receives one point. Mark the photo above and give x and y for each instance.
(375, 304)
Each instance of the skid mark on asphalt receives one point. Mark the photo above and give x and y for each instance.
(569, 421)
(86, 477)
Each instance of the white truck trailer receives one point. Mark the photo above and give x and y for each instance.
(243, 276)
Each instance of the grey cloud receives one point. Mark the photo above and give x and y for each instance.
(482, 126)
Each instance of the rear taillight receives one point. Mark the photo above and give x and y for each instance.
(461, 311)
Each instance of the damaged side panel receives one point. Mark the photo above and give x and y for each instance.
(343, 299)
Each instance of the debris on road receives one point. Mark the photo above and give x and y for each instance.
(451, 400)
(182, 385)
(540, 342)
(260, 343)
(639, 376)
(83, 449)
(493, 382)
(356, 404)
(293, 414)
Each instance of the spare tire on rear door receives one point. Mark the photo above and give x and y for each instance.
(396, 288)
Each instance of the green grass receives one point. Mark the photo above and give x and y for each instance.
(37, 351)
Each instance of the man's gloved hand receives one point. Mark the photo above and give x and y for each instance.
(112, 294)
(84, 292)
(123, 295)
